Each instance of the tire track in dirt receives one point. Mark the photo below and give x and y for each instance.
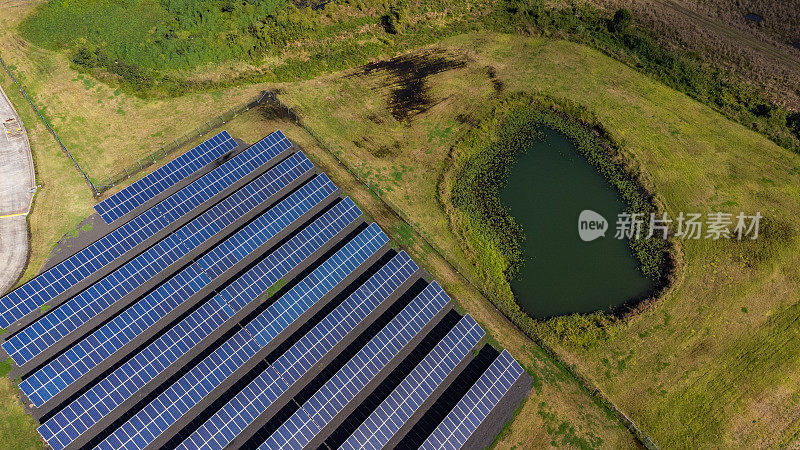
(763, 48)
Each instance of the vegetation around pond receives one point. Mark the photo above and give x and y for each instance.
(482, 162)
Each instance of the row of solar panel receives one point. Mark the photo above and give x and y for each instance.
(42, 334)
(164, 177)
(60, 278)
(92, 350)
(150, 362)
(106, 399)
(145, 426)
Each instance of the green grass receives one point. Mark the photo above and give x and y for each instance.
(17, 429)
(693, 370)
(277, 286)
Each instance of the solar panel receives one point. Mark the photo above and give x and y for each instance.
(296, 432)
(454, 430)
(146, 425)
(43, 333)
(86, 262)
(92, 350)
(73, 420)
(37, 337)
(164, 177)
(307, 351)
(387, 419)
(315, 286)
(296, 361)
(243, 409)
(329, 400)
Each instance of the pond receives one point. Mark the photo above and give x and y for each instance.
(548, 187)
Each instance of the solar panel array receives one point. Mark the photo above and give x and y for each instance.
(43, 333)
(259, 394)
(472, 409)
(164, 177)
(215, 311)
(304, 354)
(126, 380)
(98, 346)
(329, 400)
(85, 263)
(376, 431)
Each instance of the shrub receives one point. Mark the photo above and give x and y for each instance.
(621, 21)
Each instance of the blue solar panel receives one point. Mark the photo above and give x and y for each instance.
(477, 403)
(43, 333)
(296, 432)
(36, 338)
(344, 318)
(69, 423)
(316, 285)
(178, 399)
(311, 347)
(88, 353)
(86, 262)
(164, 177)
(243, 409)
(387, 419)
(338, 391)
(80, 359)
(225, 255)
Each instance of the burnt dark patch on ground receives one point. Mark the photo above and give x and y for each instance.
(410, 92)
(272, 110)
(498, 84)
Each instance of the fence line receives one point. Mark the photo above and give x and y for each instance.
(47, 124)
(166, 150)
(468, 276)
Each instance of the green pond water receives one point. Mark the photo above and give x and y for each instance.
(548, 187)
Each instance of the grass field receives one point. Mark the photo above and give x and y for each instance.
(714, 363)
(104, 128)
(559, 412)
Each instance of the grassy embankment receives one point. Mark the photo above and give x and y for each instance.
(713, 364)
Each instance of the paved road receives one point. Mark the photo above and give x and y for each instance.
(17, 184)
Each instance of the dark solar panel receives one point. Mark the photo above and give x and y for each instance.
(86, 262)
(72, 421)
(472, 409)
(387, 419)
(338, 391)
(164, 177)
(89, 352)
(43, 333)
